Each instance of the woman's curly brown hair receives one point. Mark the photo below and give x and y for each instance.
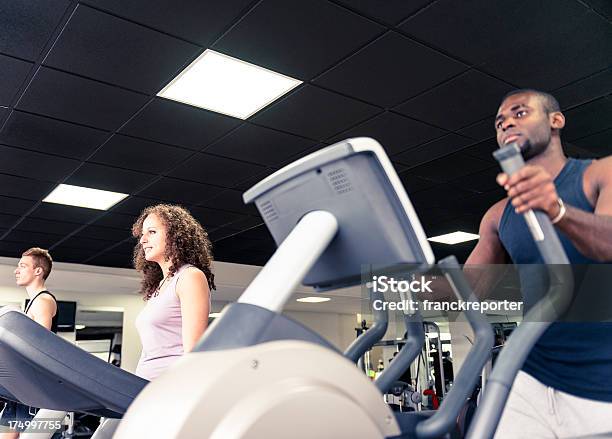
(186, 243)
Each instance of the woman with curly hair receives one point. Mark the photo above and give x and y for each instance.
(175, 256)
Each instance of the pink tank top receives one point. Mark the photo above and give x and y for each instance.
(161, 332)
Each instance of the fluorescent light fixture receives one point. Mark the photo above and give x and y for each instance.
(79, 327)
(227, 85)
(214, 315)
(313, 299)
(454, 238)
(84, 197)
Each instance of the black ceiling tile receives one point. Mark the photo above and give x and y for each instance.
(125, 247)
(7, 221)
(459, 102)
(482, 130)
(378, 75)
(133, 205)
(478, 204)
(219, 234)
(210, 218)
(79, 100)
(602, 6)
(178, 191)
(412, 183)
(237, 243)
(482, 181)
(261, 145)
(15, 206)
(102, 177)
(389, 11)
(435, 215)
(49, 135)
(399, 168)
(116, 220)
(451, 167)
(220, 171)
(3, 112)
(112, 260)
(299, 39)
(585, 90)
(231, 200)
(13, 249)
(246, 223)
(104, 233)
(245, 185)
(315, 113)
(430, 151)
(588, 119)
(579, 152)
(248, 257)
(113, 50)
(394, 132)
(13, 72)
(21, 187)
(483, 150)
(600, 144)
(73, 255)
(454, 28)
(174, 123)
(26, 26)
(464, 223)
(140, 155)
(292, 159)
(522, 45)
(35, 165)
(36, 239)
(195, 20)
(31, 224)
(60, 212)
(87, 243)
(436, 196)
(259, 233)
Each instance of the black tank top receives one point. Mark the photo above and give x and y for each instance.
(55, 318)
(574, 357)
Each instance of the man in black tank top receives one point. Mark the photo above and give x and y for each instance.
(32, 270)
(565, 387)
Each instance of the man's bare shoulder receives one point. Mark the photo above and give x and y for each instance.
(601, 168)
(493, 216)
(597, 176)
(45, 302)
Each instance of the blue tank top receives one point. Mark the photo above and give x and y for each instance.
(574, 357)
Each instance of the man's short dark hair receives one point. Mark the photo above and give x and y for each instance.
(42, 259)
(549, 102)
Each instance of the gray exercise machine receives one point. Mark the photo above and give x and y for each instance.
(41, 369)
(330, 213)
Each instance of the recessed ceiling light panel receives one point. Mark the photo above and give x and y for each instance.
(454, 238)
(227, 85)
(313, 299)
(84, 197)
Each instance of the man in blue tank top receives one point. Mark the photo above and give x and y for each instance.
(565, 387)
